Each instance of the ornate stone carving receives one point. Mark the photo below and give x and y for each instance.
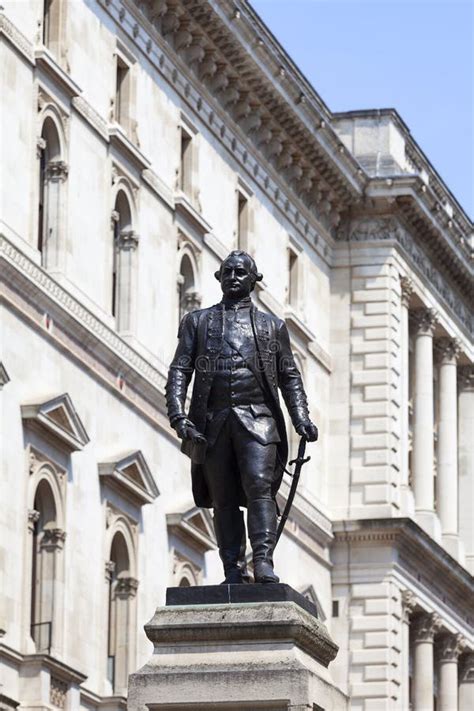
(408, 604)
(407, 290)
(448, 350)
(425, 321)
(127, 240)
(57, 170)
(425, 626)
(33, 517)
(53, 539)
(191, 301)
(109, 570)
(58, 692)
(449, 647)
(126, 588)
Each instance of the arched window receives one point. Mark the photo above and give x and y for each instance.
(125, 242)
(47, 543)
(121, 613)
(52, 174)
(189, 298)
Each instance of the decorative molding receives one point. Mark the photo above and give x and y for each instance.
(419, 554)
(59, 417)
(46, 62)
(158, 186)
(93, 118)
(370, 229)
(425, 321)
(131, 476)
(57, 171)
(185, 209)
(37, 278)
(16, 38)
(466, 668)
(127, 149)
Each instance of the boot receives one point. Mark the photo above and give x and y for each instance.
(262, 525)
(230, 534)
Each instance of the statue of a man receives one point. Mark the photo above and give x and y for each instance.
(235, 432)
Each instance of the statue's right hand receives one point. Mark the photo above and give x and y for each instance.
(182, 427)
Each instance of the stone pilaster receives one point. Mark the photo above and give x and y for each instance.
(466, 461)
(126, 246)
(375, 391)
(407, 502)
(448, 649)
(447, 495)
(126, 588)
(425, 321)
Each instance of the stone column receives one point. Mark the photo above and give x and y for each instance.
(423, 423)
(447, 494)
(51, 593)
(407, 290)
(466, 462)
(466, 682)
(424, 628)
(125, 591)
(448, 649)
(408, 608)
(126, 245)
(54, 233)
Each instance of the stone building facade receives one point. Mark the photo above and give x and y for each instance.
(142, 140)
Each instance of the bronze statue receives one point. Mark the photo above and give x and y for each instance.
(235, 433)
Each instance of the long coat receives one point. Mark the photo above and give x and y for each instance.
(200, 340)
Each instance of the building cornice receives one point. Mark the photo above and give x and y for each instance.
(32, 291)
(370, 228)
(432, 561)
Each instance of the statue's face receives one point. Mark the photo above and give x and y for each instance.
(236, 278)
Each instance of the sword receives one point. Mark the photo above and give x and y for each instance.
(298, 462)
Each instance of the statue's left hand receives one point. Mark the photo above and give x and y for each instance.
(307, 429)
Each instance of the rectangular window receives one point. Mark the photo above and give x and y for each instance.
(122, 93)
(242, 222)
(335, 608)
(186, 163)
(292, 278)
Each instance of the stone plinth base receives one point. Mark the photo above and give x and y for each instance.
(242, 656)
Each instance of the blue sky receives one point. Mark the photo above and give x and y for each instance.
(416, 56)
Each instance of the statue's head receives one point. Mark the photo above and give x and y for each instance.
(238, 275)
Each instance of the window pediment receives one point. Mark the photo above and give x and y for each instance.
(59, 417)
(131, 476)
(4, 377)
(194, 526)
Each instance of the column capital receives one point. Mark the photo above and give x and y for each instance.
(425, 321)
(53, 539)
(127, 240)
(448, 350)
(407, 289)
(409, 604)
(449, 647)
(425, 626)
(466, 377)
(466, 667)
(126, 588)
(57, 170)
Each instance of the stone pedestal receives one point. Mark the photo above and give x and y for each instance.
(237, 655)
